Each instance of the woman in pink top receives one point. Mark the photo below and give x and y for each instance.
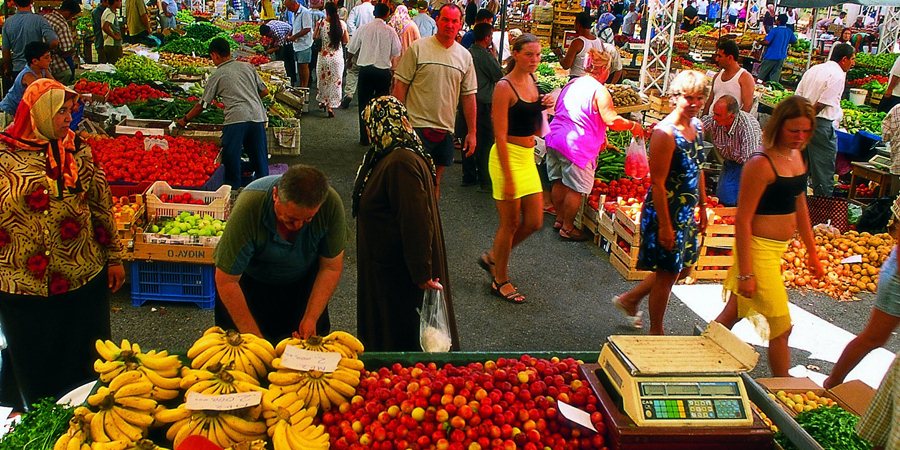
(577, 134)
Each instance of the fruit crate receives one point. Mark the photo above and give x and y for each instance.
(218, 203)
(586, 219)
(161, 247)
(716, 246)
(173, 282)
(625, 246)
(284, 141)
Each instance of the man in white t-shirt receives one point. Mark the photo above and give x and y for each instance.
(302, 37)
(433, 77)
(701, 9)
(823, 85)
(892, 94)
(360, 15)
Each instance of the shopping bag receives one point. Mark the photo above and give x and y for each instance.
(434, 323)
(636, 165)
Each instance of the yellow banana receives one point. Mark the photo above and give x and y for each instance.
(108, 353)
(158, 380)
(101, 366)
(138, 389)
(125, 346)
(146, 405)
(262, 349)
(193, 376)
(62, 442)
(110, 428)
(76, 441)
(234, 435)
(158, 362)
(241, 376)
(135, 348)
(334, 397)
(345, 390)
(126, 378)
(285, 377)
(279, 437)
(346, 376)
(176, 427)
(338, 348)
(97, 398)
(214, 330)
(205, 386)
(323, 401)
(195, 423)
(160, 394)
(243, 386)
(244, 426)
(98, 434)
(208, 356)
(114, 445)
(140, 419)
(173, 415)
(218, 434)
(203, 344)
(346, 339)
(352, 364)
(296, 440)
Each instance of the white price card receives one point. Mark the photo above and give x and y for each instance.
(575, 415)
(225, 402)
(855, 259)
(299, 359)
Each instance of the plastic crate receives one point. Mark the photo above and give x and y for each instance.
(218, 202)
(173, 282)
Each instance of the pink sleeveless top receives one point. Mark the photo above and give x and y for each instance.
(577, 131)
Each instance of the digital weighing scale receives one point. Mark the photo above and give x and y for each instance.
(688, 381)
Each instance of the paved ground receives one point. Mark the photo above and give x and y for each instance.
(568, 284)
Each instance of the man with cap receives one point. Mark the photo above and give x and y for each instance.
(423, 20)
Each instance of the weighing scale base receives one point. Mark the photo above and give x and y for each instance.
(625, 435)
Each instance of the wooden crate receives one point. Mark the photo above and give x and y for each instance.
(715, 252)
(624, 260)
(628, 273)
(197, 254)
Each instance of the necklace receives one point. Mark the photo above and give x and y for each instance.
(785, 156)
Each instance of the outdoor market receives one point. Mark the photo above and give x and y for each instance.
(455, 251)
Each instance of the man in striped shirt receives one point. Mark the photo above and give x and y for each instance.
(736, 135)
(279, 32)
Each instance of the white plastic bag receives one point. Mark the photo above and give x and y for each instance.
(434, 324)
(636, 164)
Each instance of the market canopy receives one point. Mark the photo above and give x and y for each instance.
(827, 3)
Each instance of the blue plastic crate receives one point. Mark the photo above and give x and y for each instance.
(173, 282)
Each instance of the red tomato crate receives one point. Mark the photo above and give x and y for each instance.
(173, 282)
(218, 203)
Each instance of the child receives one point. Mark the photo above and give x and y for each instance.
(38, 56)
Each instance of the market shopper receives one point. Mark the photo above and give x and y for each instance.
(714, 11)
(892, 93)
(62, 64)
(604, 28)
(517, 116)
(823, 85)
(777, 41)
(240, 88)
(59, 247)
(97, 27)
(361, 14)
(137, 21)
(669, 232)
(732, 80)
(880, 425)
(167, 14)
(431, 79)
(330, 65)
(400, 238)
(38, 55)
(376, 47)
(482, 16)
(583, 113)
(690, 19)
(771, 209)
(407, 30)
(302, 39)
(629, 22)
(488, 72)
(112, 32)
(281, 256)
(20, 29)
(576, 58)
(845, 37)
(278, 33)
(427, 25)
(736, 135)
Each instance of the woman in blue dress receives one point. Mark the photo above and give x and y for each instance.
(669, 230)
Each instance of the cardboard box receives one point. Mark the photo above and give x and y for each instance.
(854, 396)
(148, 127)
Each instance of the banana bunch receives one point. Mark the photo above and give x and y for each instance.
(145, 444)
(222, 428)
(257, 444)
(159, 368)
(290, 424)
(338, 342)
(78, 436)
(319, 389)
(249, 353)
(124, 409)
(217, 379)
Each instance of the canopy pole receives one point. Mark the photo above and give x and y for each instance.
(812, 44)
(503, 31)
(890, 30)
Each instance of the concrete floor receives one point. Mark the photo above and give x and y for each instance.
(568, 285)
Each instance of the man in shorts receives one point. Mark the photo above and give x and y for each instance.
(302, 37)
(432, 77)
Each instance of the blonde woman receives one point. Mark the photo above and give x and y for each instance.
(668, 229)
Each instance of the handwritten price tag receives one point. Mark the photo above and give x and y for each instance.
(226, 402)
(299, 359)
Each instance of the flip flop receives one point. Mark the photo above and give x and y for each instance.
(574, 235)
(485, 263)
(557, 225)
(513, 297)
(550, 210)
(636, 321)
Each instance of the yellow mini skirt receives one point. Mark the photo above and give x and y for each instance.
(522, 168)
(768, 309)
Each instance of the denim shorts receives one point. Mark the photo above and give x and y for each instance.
(441, 150)
(303, 56)
(887, 299)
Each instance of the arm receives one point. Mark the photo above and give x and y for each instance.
(756, 175)
(892, 82)
(194, 112)
(29, 78)
(107, 28)
(145, 20)
(574, 48)
(330, 270)
(709, 98)
(748, 87)
(345, 38)
(604, 105)
(400, 90)
(804, 228)
(662, 146)
(469, 110)
(99, 202)
(7, 61)
(233, 298)
(317, 34)
(351, 20)
(503, 98)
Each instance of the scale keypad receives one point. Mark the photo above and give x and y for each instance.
(692, 409)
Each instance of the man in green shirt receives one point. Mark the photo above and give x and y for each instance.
(137, 20)
(281, 256)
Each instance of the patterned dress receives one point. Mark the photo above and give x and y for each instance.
(329, 70)
(682, 187)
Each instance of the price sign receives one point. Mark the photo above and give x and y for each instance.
(226, 402)
(299, 359)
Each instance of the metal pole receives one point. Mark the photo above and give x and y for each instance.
(812, 44)
(503, 31)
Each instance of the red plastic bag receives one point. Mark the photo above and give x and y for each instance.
(636, 165)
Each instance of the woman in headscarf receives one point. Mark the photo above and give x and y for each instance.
(58, 246)
(604, 28)
(406, 28)
(400, 240)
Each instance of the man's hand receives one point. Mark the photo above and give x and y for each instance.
(306, 329)
(469, 144)
(116, 275)
(181, 122)
(433, 284)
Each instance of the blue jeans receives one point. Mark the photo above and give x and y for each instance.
(239, 138)
(729, 183)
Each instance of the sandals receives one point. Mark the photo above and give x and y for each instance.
(484, 261)
(513, 297)
(636, 321)
(574, 235)
(557, 225)
(549, 209)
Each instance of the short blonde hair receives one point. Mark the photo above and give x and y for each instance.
(689, 82)
(598, 59)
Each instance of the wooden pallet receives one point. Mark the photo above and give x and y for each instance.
(719, 238)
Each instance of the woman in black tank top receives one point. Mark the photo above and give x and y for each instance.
(771, 208)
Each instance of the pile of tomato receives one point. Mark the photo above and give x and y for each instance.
(186, 162)
(97, 88)
(625, 188)
(256, 60)
(134, 93)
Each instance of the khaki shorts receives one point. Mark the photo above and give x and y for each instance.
(573, 177)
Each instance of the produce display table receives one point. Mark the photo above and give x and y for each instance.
(862, 171)
(632, 108)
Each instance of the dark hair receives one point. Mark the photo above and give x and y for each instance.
(303, 185)
(220, 47)
(381, 10)
(731, 104)
(265, 30)
(35, 50)
(72, 6)
(422, 4)
(484, 15)
(584, 19)
(782, 19)
(729, 48)
(482, 31)
(521, 41)
(450, 5)
(335, 31)
(23, 3)
(842, 13)
(842, 51)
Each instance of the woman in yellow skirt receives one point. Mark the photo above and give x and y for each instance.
(771, 208)
(517, 108)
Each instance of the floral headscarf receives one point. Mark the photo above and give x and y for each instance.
(32, 130)
(400, 19)
(388, 125)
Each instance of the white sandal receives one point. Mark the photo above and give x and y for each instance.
(636, 321)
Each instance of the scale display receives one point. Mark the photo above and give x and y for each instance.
(691, 401)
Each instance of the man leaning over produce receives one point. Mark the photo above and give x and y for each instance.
(736, 134)
(823, 85)
(281, 256)
(239, 87)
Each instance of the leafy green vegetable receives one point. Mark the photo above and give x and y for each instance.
(84, 25)
(39, 428)
(802, 45)
(548, 56)
(102, 77)
(185, 46)
(231, 42)
(832, 427)
(140, 69)
(882, 61)
(184, 16)
(202, 31)
(172, 109)
(545, 69)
